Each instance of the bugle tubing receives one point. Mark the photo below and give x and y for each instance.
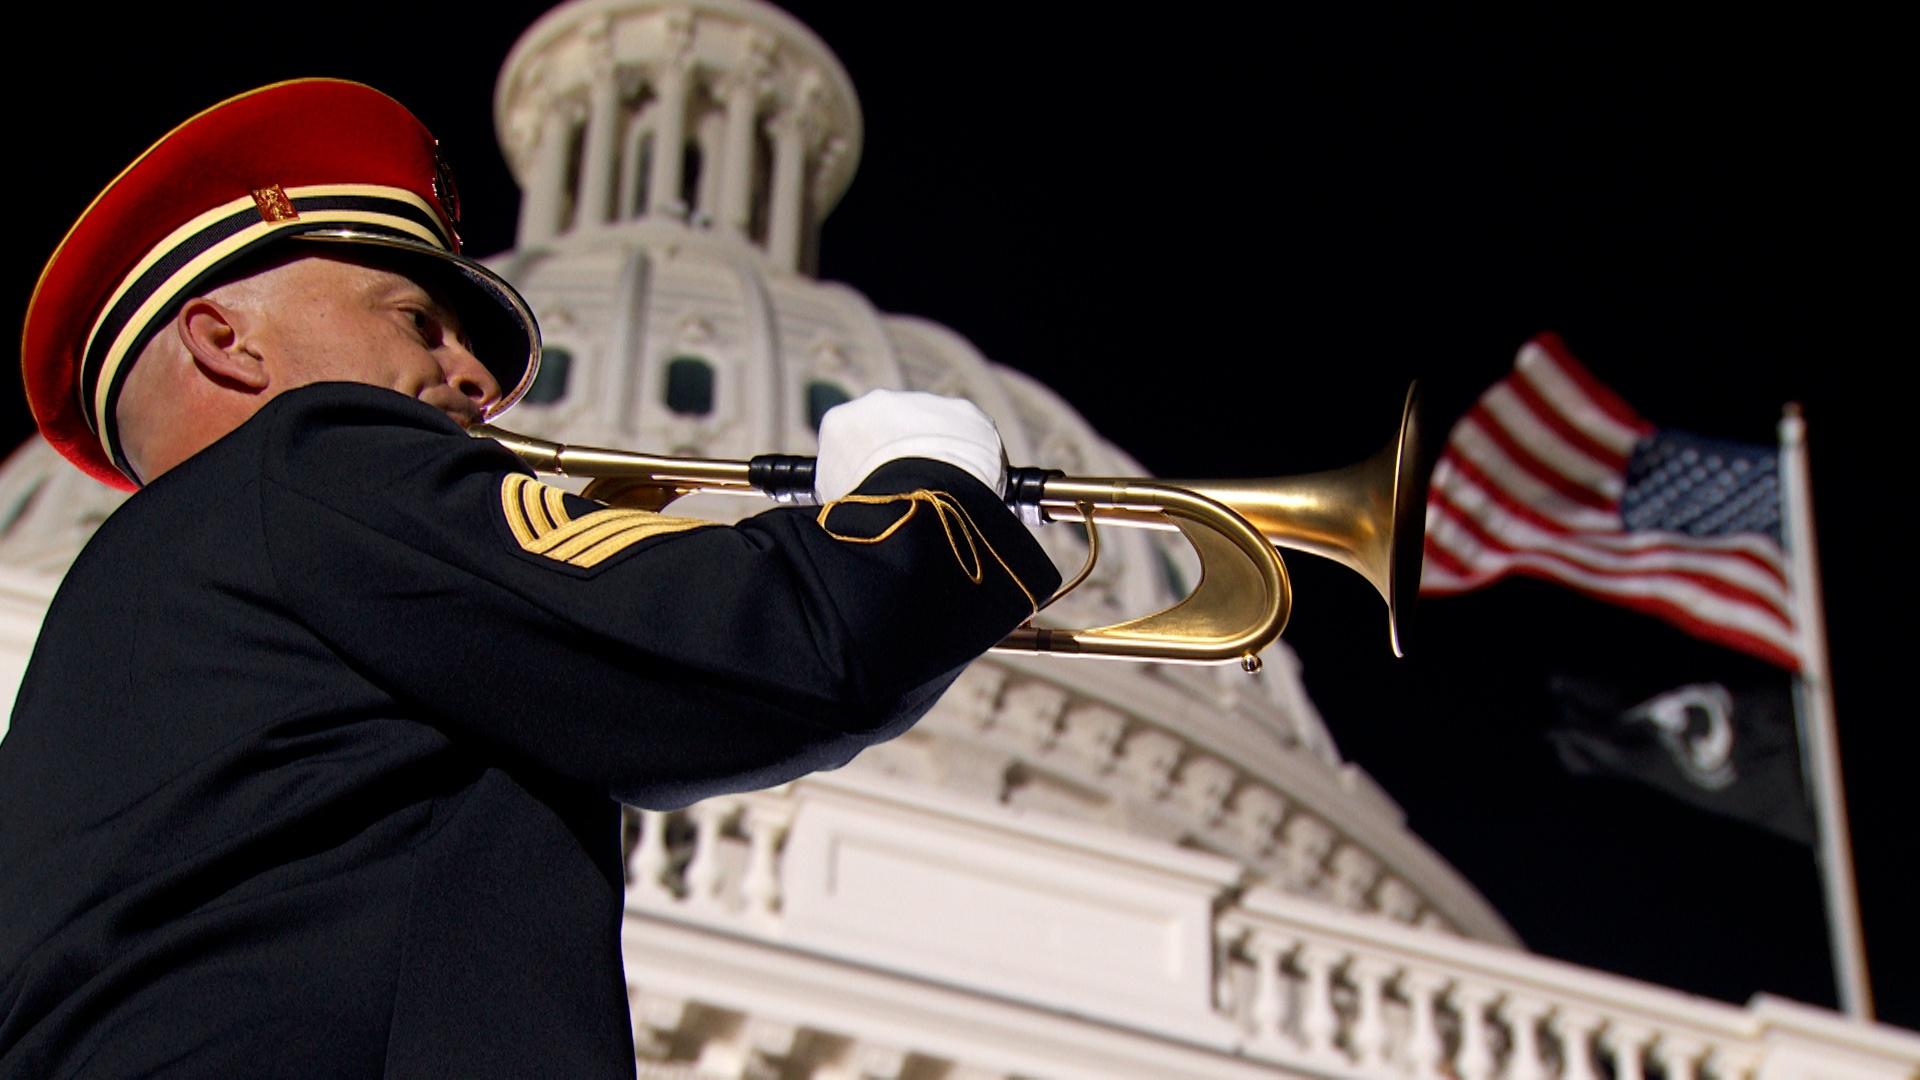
(1239, 606)
(626, 477)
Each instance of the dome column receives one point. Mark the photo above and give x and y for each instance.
(743, 90)
(602, 138)
(672, 83)
(546, 191)
(792, 131)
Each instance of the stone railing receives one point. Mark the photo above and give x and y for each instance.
(1353, 997)
(718, 860)
(1291, 984)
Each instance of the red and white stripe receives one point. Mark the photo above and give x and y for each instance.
(1530, 483)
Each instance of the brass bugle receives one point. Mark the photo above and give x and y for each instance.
(1367, 516)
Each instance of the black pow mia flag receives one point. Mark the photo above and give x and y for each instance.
(1727, 746)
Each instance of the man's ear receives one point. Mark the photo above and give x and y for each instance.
(213, 336)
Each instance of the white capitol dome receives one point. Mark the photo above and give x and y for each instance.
(1069, 868)
(673, 297)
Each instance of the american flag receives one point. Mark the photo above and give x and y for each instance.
(1552, 475)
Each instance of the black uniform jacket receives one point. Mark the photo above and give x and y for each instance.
(314, 770)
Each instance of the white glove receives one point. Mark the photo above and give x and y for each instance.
(885, 425)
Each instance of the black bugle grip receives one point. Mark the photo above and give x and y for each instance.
(786, 478)
(1026, 484)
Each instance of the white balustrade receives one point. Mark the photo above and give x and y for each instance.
(1474, 1061)
(1523, 1016)
(654, 1019)
(874, 1062)
(648, 862)
(1269, 1006)
(1576, 1030)
(1369, 1036)
(705, 868)
(1391, 1001)
(1737, 1063)
(1425, 1050)
(1318, 1021)
(717, 859)
(760, 887)
(1679, 1056)
(768, 1040)
(1626, 1045)
(1295, 984)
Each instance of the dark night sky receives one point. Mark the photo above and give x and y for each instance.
(1231, 241)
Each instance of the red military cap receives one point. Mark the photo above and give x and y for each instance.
(311, 161)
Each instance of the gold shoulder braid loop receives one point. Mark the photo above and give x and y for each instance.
(952, 516)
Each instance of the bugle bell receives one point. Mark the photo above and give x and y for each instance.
(1367, 516)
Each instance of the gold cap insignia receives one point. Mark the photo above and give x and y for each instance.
(274, 204)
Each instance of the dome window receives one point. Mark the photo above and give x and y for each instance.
(822, 396)
(690, 386)
(550, 385)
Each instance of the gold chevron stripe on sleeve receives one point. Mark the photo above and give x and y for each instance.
(556, 504)
(512, 501)
(538, 518)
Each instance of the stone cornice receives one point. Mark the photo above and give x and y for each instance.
(1111, 744)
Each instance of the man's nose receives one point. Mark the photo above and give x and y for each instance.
(468, 375)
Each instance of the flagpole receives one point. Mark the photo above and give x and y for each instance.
(1813, 705)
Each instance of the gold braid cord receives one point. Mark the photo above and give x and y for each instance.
(952, 517)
